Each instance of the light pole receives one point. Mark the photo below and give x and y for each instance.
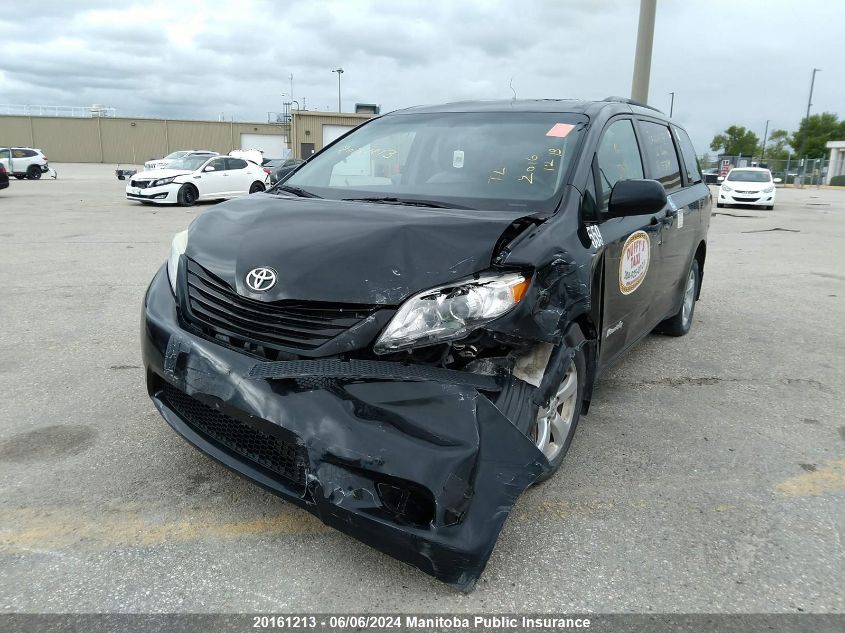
(672, 104)
(339, 72)
(765, 136)
(807, 126)
(642, 57)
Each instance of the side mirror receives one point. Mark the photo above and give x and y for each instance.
(777, 180)
(720, 178)
(209, 168)
(636, 197)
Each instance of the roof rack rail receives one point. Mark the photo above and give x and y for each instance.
(631, 102)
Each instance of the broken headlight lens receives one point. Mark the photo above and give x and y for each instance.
(177, 248)
(451, 312)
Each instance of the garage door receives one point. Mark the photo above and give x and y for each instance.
(273, 145)
(333, 132)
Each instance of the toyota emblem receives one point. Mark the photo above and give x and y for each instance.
(261, 279)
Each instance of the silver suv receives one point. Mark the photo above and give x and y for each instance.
(24, 162)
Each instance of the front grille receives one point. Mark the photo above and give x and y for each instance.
(280, 325)
(287, 459)
(141, 184)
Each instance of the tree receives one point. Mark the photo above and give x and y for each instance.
(705, 161)
(736, 140)
(815, 132)
(777, 145)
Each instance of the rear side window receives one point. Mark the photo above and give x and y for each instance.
(618, 158)
(661, 157)
(235, 163)
(688, 152)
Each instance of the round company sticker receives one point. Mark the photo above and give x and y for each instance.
(633, 264)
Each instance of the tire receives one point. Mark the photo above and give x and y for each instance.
(568, 409)
(256, 187)
(680, 323)
(719, 205)
(770, 207)
(33, 172)
(187, 196)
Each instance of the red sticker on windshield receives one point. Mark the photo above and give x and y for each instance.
(560, 130)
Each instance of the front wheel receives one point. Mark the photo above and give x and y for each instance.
(33, 172)
(187, 196)
(555, 423)
(681, 323)
(256, 187)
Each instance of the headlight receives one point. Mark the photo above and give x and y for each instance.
(177, 248)
(768, 190)
(451, 312)
(726, 188)
(162, 181)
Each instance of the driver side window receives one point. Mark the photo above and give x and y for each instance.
(219, 164)
(618, 158)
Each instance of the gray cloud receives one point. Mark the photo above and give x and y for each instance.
(728, 62)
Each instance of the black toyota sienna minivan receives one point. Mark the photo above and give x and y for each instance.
(402, 335)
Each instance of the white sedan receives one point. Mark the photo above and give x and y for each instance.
(748, 185)
(164, 163)
(194, 178)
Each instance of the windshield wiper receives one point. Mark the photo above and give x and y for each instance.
(407, 202)
(296, 191)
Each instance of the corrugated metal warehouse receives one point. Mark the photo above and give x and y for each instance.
(134, 140)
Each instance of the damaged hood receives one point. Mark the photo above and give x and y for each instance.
(344, 252)
(155, 174)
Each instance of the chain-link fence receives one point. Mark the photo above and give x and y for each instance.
(791, 171)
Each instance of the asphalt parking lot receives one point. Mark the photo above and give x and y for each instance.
(708, 477)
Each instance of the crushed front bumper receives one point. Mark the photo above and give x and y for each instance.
(414, 461)
(165, 194)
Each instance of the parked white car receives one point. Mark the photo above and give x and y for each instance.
(164, 163)
(194, 178)
(24, 162)
(748, 185)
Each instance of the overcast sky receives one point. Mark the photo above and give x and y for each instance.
(736, 61)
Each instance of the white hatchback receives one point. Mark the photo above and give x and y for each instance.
(195, 178)
(748, 185)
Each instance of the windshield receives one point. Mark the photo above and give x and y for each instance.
(746, 175)
(490, 160)
(189, 162)
(176, 155)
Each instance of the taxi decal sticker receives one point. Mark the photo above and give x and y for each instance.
(633, 265)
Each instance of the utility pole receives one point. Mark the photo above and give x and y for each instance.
(672, 104)
(642, 57)
(807, 126)
(339, 72)
(765, 136)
